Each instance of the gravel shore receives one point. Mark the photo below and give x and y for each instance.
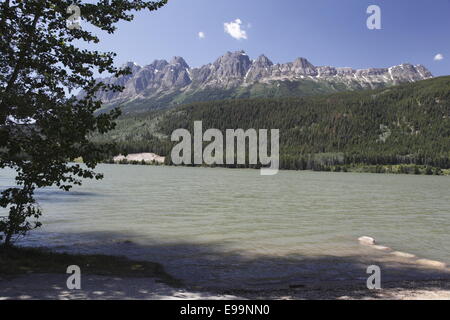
(53, 286)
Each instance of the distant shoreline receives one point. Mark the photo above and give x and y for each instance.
(149, 158)
(417, 170)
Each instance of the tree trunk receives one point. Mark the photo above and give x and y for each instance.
(8, 237)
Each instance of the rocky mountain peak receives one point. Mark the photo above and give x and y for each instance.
(229, 70)
(159, 64)
(133, 66)
(262, 61)
(179, 61)
(302, 66)
(260, 69)
(233, 64)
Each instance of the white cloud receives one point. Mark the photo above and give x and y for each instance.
(439, 57)
(201, 35)
(233, 28)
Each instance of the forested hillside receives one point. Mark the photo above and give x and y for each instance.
(406, 124)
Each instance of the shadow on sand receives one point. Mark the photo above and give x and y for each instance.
(213, 271)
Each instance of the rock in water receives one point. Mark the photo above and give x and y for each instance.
(403, 254)
(431, 263)
(381, 247)
(367, 241)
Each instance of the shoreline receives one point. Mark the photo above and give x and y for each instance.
(401, 169)
(116, 280)
(95, 287)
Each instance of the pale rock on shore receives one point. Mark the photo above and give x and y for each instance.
(367, 241)
(146, 157)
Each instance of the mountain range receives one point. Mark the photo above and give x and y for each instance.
(163, 84)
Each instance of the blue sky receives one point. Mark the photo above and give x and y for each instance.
(326, 32)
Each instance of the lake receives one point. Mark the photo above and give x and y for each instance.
(217, 227)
